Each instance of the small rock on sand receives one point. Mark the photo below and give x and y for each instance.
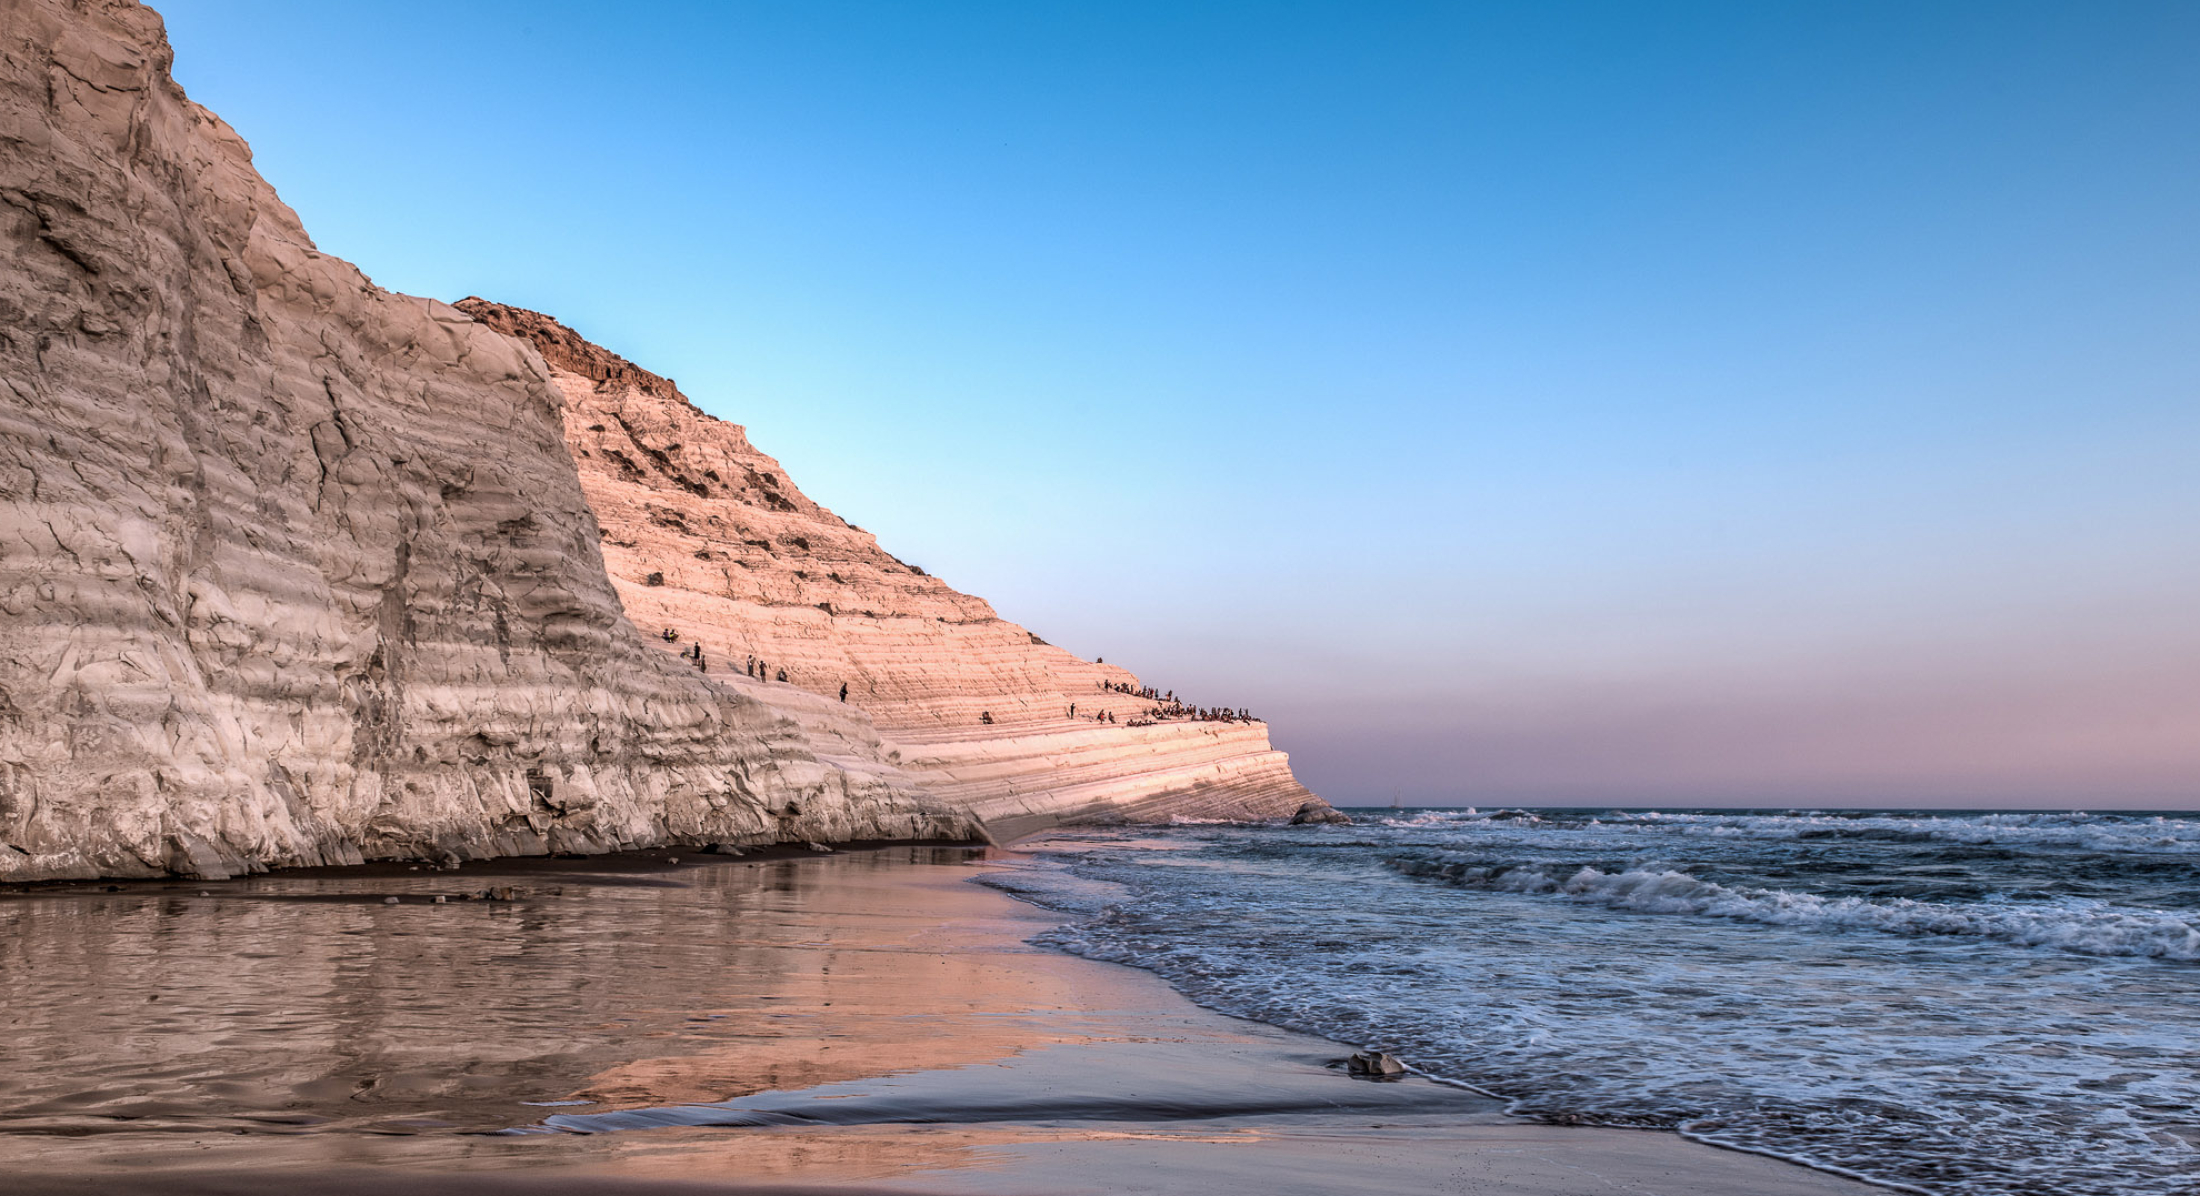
(1375, 1065)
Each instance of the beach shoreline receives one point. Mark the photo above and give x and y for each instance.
(883, 1025)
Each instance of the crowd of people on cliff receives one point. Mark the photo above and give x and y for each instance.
(1170, 708)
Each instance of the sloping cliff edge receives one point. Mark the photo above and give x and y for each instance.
(709, 539)
(265, 600)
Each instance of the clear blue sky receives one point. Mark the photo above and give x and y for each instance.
(1641, 403)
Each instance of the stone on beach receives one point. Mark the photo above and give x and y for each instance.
(1375, 1065)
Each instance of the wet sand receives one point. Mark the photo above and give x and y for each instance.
(859, 1021)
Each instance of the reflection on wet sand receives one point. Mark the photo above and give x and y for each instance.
(641, 983)
(865, 1018)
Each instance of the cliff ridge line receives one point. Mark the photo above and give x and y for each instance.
(706, 537)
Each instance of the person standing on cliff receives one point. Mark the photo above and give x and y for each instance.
(843, 691)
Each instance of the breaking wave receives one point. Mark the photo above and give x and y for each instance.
(1967, 1005)
(2072, 831)
(2096, 930)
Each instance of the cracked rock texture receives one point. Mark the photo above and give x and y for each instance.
(708, 537)
(265, 599)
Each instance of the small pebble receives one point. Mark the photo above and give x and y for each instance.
(672, 859)
(389, 901)
(439, 901)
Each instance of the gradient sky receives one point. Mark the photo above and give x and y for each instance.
(1619, 403)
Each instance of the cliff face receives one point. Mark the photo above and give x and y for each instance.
(708, 537)
(294, 570)
(264, 597)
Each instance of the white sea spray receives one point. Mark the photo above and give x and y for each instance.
(2091, 928)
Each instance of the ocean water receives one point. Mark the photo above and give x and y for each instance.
(1968, 1004)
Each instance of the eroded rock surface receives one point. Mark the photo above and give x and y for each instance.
(708, 537)
(294, 570)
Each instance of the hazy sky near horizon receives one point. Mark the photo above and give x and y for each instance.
(1538, 403)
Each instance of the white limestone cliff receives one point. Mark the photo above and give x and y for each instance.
(264, 598)
(709, 537)
(295, 570)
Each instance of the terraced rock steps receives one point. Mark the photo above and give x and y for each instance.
(706, 535)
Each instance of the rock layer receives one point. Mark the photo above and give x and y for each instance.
(264, 599)
(295, 570)
(708, 537)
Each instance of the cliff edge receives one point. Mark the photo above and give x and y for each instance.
(708, 538)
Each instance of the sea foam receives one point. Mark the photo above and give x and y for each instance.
(2086, 928)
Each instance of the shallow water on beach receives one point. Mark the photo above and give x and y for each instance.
(1978, 1005)
(307, 1003)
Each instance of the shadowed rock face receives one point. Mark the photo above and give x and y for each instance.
(294, 570)
(707, 536)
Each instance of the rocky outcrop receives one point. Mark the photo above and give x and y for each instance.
(708, 537)
(294, 570)
(1317, 812)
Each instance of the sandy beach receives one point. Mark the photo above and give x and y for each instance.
(866, 1020)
